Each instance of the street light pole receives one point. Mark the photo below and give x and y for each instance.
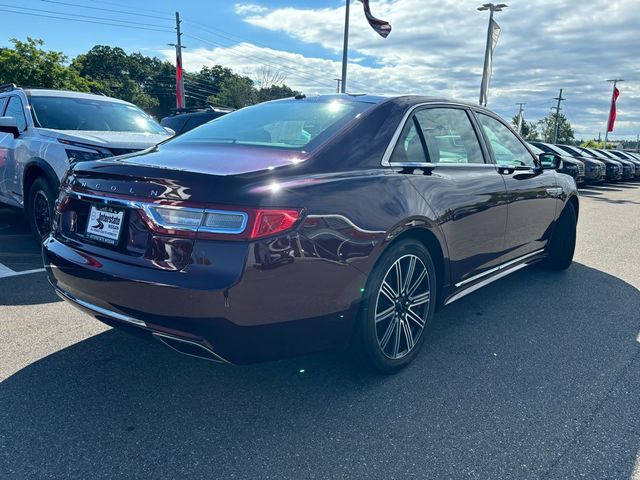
(484, 86)
(615, 81)
(345, 48)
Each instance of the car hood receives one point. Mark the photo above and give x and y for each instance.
(129, 140)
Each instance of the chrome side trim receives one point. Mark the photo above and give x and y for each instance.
(99, 310)
(485, 282)
(498, 268)
(211, 355)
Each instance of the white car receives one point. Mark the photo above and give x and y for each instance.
(43, 131)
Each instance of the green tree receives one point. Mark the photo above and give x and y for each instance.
(235, 92)
(275, 92)
(28, 64)
(529, 129)
(547, 128)
(127, 77)
(596, 144)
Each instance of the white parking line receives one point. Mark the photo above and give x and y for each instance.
(6, 272)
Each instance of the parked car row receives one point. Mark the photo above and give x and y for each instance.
(594, 165)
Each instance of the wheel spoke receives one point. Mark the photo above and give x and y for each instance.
(388, 291)
(409, 276)
(408, 334)
(420, 299)
(411, 315)
(386, 314)
(417, 283)
(387, 335)
(396, 344)
(398, 270)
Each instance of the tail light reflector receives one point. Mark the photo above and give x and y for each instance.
(269, 222)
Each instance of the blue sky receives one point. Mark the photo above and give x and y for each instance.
(435, 48)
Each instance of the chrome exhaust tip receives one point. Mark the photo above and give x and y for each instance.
(188, 347)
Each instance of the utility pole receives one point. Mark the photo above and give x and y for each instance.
(180, 96)
(339, 82)
(556, 126)
(638, 143)
(520, 117)
(488, 52)
(615, 81)
(345, 48)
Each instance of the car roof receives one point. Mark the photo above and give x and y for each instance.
(406, 100)
(45, 92)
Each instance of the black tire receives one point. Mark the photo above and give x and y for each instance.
(410, 306)
(39, 208)
(562, 244)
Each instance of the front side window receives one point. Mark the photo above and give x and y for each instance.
(69, 113)
(446, 133)
(293, 125)
(506, 146)
(16, 110)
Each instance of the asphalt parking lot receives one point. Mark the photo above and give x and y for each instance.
(536, 376)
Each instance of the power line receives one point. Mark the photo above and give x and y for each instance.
(83, 21)
(140, 9)
(220, 33)
(254, 45)
(259, 60)
(78, 5)
(82, 16)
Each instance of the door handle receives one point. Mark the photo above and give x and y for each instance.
(506, 169)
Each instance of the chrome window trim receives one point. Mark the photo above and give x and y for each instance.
(396, 136)
(148, 208)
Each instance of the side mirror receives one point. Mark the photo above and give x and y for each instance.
(9, 125)
(550, 161)
(170, 131)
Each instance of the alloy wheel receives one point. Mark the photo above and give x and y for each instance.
(402, 306)
(42, 213)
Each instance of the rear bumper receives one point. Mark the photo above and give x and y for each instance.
(235, 307)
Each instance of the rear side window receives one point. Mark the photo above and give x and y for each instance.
(16, 110)
(294, 125)
(438, 135)
(506, 146)
(3, 102)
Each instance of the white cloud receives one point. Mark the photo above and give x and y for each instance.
(248, 8)
(437, 49)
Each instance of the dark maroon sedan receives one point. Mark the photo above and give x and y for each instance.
(306, 224)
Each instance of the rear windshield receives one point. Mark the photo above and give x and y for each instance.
(68, 113)
(294, 125)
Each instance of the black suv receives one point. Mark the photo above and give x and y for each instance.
(184, 119)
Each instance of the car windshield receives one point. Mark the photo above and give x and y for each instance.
(68, 113)
(294, 125)
(571, 150)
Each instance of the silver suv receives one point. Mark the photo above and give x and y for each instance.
(43, 131)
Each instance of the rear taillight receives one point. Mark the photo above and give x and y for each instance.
(230, 224)
(269, 222)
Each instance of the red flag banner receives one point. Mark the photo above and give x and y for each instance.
(612, 113)
(381, 27)
(179, 82)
